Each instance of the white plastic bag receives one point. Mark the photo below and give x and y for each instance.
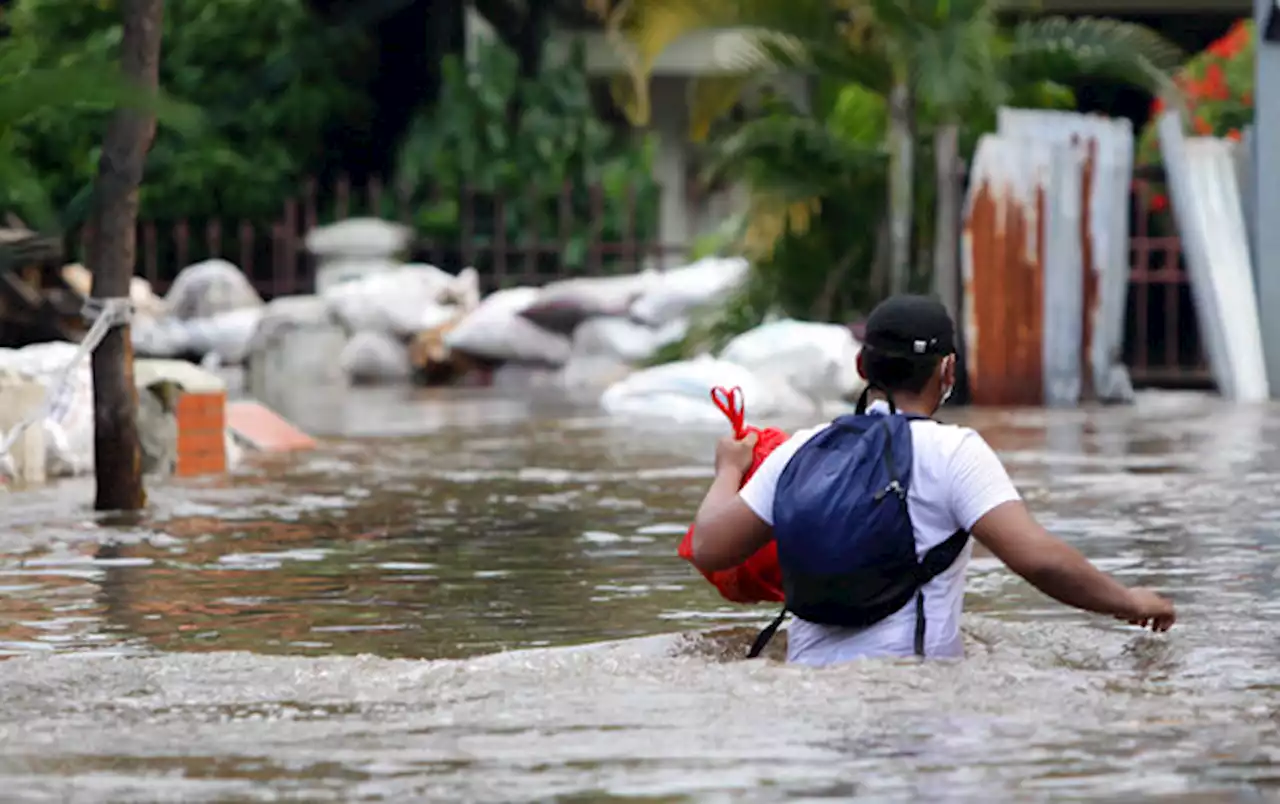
(496, 331)
(563, 305)
(358, 237)
(678, 292)
(375, 357)
(681, 392)
(401, 302)
(208, 288)
(817, 359)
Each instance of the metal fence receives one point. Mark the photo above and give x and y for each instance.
(567, 239)
(1162, 344)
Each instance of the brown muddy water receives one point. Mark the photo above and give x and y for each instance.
(473, 598)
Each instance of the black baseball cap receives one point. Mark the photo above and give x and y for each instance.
(910, 326)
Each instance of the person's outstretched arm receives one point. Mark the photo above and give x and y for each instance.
(995, 515)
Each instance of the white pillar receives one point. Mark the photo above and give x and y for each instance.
(669, 118)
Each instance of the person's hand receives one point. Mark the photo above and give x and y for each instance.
(1149, 610)
(735, 454)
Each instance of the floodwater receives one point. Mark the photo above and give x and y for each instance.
(474, 598)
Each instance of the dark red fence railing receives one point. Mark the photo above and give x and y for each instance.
(1162, 344)
(565, 237)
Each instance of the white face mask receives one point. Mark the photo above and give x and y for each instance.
(946, 393)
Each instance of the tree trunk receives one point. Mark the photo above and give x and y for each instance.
(117, 454)
(946, 239)
(901, 175)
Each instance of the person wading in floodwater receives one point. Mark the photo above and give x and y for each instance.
(872, 513)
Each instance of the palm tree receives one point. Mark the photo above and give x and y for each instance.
(936, 59)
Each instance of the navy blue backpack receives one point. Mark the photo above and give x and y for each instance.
(846, 545)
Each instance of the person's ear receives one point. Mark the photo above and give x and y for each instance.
(862, 372)
(949, 371)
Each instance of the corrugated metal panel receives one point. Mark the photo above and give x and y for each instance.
(1108, 149)
(1066, 292)
(1002, 259)
(1206, 205)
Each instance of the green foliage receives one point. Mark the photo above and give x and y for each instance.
(1217, 87)
(496, 135)
(29, 90)
(268, 76)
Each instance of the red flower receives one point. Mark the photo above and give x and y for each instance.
(1159, 202)
(1232, 42)
(1215, 83)
(1202, 126)
(1234, 134)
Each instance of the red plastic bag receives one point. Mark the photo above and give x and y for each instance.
(759, 578)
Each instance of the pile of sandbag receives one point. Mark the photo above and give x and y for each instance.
(384, 313)
(594, 329)
(400, 319)
(213, 314)
(784, 367)
(210, 313)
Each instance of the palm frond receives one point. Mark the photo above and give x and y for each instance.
(796, 156)
(709, 98)
(1059, 48)
(771, 216)
(775, 36)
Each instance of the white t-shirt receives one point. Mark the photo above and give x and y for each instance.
(956, 479)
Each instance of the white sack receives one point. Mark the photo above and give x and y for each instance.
(223, 339)
(332, 272)
(160, 337)
(208, 288)
(496, 331)
(817, 359)
(358, 237)
(286, 313)
(678, 292)
(563, 306)
(68, 429)
(681, 392)
(375, 357)
(402, 302)
(615, 338)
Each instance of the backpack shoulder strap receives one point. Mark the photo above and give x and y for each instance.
(941, 556)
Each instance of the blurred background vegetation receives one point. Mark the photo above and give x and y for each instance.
(853, 186)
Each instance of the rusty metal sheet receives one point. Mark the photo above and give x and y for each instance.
(1002, 268)
(1107, 146)
(1206, 202)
